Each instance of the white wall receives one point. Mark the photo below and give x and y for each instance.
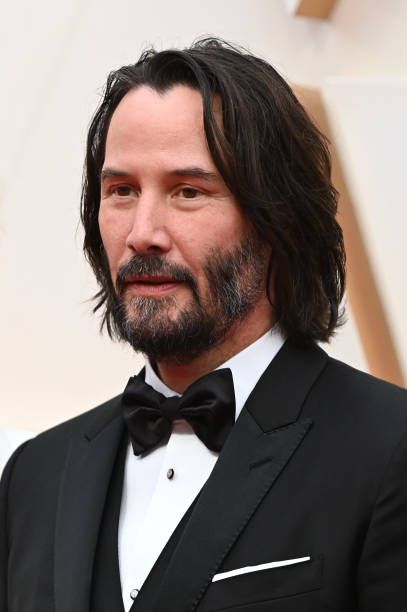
(54, 58)
(370, 122)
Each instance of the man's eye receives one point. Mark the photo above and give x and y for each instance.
(189, 192)
(122, 190)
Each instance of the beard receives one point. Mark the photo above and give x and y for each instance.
(169, 333)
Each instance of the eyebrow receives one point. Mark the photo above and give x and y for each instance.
(108, 172)
(193, 171)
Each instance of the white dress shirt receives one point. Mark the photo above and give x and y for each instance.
(159, 488)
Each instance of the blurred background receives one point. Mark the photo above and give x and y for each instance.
(348, 59)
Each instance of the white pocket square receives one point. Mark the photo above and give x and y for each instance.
(258, 568)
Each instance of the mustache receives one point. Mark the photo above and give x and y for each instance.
(154, 265)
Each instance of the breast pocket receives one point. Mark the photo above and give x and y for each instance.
(264, 585)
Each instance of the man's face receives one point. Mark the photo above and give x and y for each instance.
(185, 262)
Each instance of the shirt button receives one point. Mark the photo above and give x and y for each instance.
(133, 594)
(170, 474)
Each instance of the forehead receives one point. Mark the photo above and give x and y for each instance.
(144, 112)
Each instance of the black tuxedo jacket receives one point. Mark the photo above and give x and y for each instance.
(316, 466)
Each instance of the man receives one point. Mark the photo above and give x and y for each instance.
(209, 221)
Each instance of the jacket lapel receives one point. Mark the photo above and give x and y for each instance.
(83, 489)
(262, 442)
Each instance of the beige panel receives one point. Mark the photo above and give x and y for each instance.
(319, 9)
(364, 295)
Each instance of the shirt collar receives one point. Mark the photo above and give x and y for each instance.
(246, 367)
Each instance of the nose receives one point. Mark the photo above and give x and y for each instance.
(148, 232)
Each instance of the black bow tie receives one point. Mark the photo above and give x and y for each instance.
(208, 405)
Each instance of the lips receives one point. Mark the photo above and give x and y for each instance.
(151, 285)
(150, 280)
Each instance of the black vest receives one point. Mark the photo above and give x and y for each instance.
(106, 588)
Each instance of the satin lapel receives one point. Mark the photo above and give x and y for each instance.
(255, 454)
(80, 506)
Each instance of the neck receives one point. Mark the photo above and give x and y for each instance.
(242, 334)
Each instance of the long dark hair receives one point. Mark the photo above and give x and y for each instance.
(272, 158)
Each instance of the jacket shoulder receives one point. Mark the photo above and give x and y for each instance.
(350, 382)
(90, 421)
(48, 449)
(359, 405)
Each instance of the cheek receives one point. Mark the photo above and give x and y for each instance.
(113, 237)
(200, 241)
(230, 226)
(112, 229)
